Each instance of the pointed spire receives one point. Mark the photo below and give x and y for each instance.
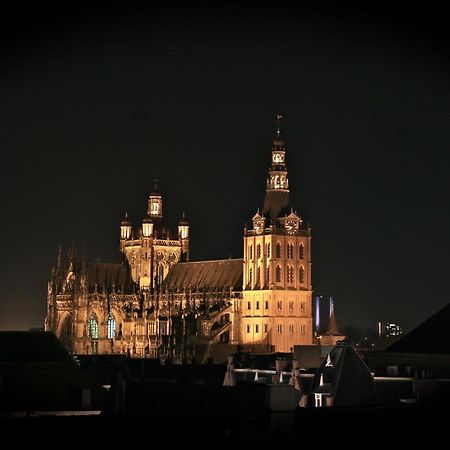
(328, 363)
(281, 378)
(332, 327)
(278, 142)
(321, 380)
(256, 376)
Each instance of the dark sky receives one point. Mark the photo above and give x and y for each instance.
(97, 102)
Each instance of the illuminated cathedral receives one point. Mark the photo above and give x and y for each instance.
(158, 303)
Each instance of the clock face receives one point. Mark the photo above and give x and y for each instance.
(259, 226)
(291, 226)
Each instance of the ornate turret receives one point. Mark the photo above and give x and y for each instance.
(125, 228)
(183, 236)
(155, 203)
(276, 202)
(147, 227)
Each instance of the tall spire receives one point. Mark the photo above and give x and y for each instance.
(276, 202)
(332, 327)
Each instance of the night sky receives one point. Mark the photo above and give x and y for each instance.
(96, 103)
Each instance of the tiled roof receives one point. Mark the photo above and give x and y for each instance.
(209, 275)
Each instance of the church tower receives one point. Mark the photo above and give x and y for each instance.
(277, 290)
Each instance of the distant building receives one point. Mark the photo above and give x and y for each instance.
(158, 303)
(389, 330)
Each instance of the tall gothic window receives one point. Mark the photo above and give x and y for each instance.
(250, 273)
(267, 274)
(258, 251)
(111, 326)
(301, 274)
(92, 327)
(250, 251)
(278, 254)
(278, 274)
(301, 251)
(290, 250)
(268, 250)
(290, 274)
(258, 275)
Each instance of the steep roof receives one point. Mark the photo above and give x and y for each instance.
(431, 336)
(210, 275)
(350, 378)
(31, 347)
(276, 203)
(109, 274)
(39, 375)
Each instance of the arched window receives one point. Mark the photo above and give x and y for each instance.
(111, 326)
(250, 273)
(301, 274)
(267, 274)
(258, 275)
(258, 251)
(250, 251)
(92, 327)
(290, 274)
(301, 251)
(268, 250)
(278, 274)
(278, 250)
(290, 250)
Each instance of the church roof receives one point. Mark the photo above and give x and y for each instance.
(431, 336)
(210, 275)
(109, 275)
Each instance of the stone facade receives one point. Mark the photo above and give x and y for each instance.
(157, 303)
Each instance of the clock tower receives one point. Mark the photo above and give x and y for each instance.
(277, 292)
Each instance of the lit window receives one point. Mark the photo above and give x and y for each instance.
(266, 304)
(251, 251)
(291, 328)
(258, 275)
(301, 274)
(302, 306)
(278, 250)
(250, 276)
(92, 326)
(280, 305)
(248, 328)
(279, 328)
(267, 275)
(257, 305)
(249, 306)
(111, 326)
(302, 329)
(258, 251)
(290, 250)
(301, 251)
(268, 250)
(290, 274)
(291, 305)
(278, 274)
(256, 328)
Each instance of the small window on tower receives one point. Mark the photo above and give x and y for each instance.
(256, 328)
(266, 328)
(278, 274)
(301, 251)
(258, 251)
(250, 251)
(278, 250)
(301, 274)
(268, 250)
(257, 305)
(248, 328)
(291, 328)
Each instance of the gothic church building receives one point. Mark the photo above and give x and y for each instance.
(158, 303)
